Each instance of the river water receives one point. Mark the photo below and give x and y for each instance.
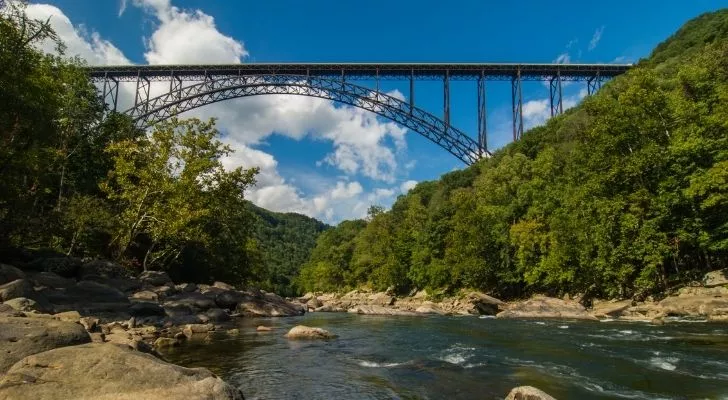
(467, 358)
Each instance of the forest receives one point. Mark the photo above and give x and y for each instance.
(625, 195)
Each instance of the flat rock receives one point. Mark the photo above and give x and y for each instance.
(378, 310)
(146, 309)
(268, 305)
(107, 372)
(429, 308)
(16, 288)
(547, 307)
(307, 332)
(28, 305)
(223, 285)
(88, 297)
(147, 295)
(528, 393)
(21, 337)
(103, 268)
(195, 301)
(610, 308)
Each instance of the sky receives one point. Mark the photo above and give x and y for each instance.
(332, 161)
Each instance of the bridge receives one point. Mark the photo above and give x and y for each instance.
(193, 86)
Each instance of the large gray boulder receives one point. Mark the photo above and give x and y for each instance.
(88, 297)
(195, 301)
(21, 337)
(307, 333)
(67, 267)
(378, 310)
(103, 371)
(716, 278)
(51, 280)
(8, 273)
(547, 307)
(29, 305)
(146, 309)
(104, 269)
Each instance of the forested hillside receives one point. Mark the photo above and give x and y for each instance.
(286, 241)
(624, 195)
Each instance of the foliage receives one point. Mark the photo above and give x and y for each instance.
(623, 195)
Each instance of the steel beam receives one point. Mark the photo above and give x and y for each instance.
(517, 101)
(412, 90)
(482, 118)
(143, 87)
(593, 84)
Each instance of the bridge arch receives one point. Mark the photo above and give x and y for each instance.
(182, 99)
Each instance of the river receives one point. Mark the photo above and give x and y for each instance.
(467, 358)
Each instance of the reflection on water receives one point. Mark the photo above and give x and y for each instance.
(467, 358)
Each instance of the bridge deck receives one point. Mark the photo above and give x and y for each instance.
(365, 71)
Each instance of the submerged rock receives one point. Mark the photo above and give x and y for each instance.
(528, 393)
(307, 332)
(21, 337)
(547, 307)
(104, 371)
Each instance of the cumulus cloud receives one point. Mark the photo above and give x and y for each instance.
(406, 186)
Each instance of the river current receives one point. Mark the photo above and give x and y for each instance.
(467, 358)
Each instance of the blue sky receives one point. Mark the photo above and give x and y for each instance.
(330, 161)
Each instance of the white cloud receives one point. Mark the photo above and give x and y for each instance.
(358, 138)
(122, 7)
(406, 186)
(88, 46)
(563, 58)
(596, 38)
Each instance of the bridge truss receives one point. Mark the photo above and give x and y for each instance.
(192, 86)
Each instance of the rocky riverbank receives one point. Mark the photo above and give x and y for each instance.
(706, 300)
(67, 322)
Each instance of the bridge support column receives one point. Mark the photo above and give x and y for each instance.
(110, 91)
(517, 101)
(412, 91)
(482, 118)
(447, 99)
(557, 104)
(142, 91)
(593, 84)
(175, 85)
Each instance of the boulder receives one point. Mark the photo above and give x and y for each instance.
(229, 299)
(611, 309)
(307, 332)
(546, 307)
(165, 291)
(716, 278)
(314, 303)
(89, 323)
(217, 315)
(196, 301)
(429, 307)
(67, 267)
(156, 278)
(16, 288)
(268, 305)
(165, 342)
(8, 273)
(21, 337)
(147, 295)
(88, 297)
(696, 301)
(186, 287)
(146, 309)
(528, 393)
(223, 286)
(28, 305)
(106, 372)
(330, 308)
(262, 328)
(380, 299)
(483, 304)
(68, 316)
(126, 285)
(379, 310)
(194, 329)
(51, 280)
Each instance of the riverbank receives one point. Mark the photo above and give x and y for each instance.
(706, 300)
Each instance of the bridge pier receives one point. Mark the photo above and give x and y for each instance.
(593, 84)
(517, 101)
(482, 117)
(143, 87)
(555, 92)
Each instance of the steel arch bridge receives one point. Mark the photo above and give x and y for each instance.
(193, 86)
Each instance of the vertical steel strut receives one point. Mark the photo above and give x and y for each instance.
(412, 91)
(593, 84)
(142, 91)
(110, 91)
(556, 94)
(482, 126)
(517, 100)
(446, 100)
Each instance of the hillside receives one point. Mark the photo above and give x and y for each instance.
(286, 241)
(623, 195)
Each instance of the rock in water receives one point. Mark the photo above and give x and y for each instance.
(307, 332)
(21, 337)
(546, 307)
(106, 372)
(528, 393)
